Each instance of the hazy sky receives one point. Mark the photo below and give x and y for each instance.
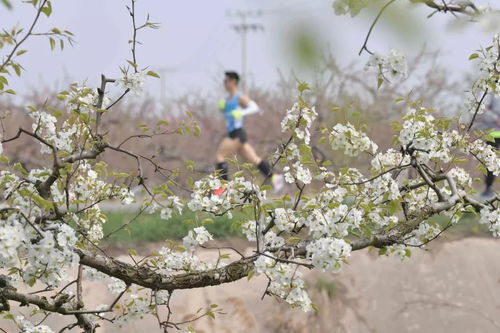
(196, 42)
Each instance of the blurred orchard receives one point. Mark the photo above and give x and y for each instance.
(350, 184)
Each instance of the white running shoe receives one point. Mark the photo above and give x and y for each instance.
(278, 182)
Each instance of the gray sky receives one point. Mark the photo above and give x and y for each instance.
(196, 42)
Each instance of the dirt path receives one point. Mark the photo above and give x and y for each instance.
(452, 287)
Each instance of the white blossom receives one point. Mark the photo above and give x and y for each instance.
(351, 141)
(197, 236)
(393, 65)
(491, 217)
(132, 81)
(327, 254)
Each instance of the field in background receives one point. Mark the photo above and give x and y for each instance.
(151, 228)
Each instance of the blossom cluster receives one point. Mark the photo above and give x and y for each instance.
(425, 139)
(249, 230)
(132, 81)
(166, 206)
(489, 66)
(285, 219)
(236, 193)
(388, 160)
(297, 171)
(44, 125)
(487, 155)
(327, 254)
(285, 281)
(136, 307)
(491, 217)
(83, 99)
(299, 118)
(394, 65)
(28, 327)
(170, 260)
(423, 234)
(381, 189)
(351, 141)
(195, 237)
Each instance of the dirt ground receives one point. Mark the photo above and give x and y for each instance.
(453, 286)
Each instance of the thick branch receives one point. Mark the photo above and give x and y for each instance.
(148, 278)
(59, 305)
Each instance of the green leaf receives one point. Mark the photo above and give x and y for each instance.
(31, 282)
(207, 221)
(17, 69)
(132, 252)
(380, 81)
(473, 56)
(7, 4)
(153, 74)
(9, 316)
(21, 52)
(293, 240)
(162, 122)
(52, 43)
(47, 10)
(303, 86)
(133, 64)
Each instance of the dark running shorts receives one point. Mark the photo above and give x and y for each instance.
(238, 134)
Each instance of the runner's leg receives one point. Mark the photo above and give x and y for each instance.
(248, 152)
(264, 167)
(228, 147)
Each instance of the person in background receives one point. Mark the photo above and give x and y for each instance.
(491, 120)
(236, 107)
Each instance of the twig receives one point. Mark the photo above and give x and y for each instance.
(364, 47)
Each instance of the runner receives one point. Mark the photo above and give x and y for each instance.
(235, 107)
(491, 120)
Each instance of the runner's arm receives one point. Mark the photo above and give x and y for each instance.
(247, 107)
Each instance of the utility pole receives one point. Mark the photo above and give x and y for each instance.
(243, 28)
(163, 71)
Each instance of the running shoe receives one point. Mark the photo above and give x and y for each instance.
(278, 182)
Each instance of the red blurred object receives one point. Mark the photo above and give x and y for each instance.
(219, 191)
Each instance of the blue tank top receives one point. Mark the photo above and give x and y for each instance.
(231, 105)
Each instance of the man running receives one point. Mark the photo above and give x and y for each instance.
(235, 107)
(491, 120)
